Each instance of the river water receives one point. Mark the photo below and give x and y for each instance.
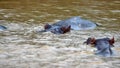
(22, 47)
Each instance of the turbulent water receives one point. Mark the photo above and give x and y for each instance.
(21, 46)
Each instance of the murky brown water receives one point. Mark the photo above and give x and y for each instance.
(22, 47)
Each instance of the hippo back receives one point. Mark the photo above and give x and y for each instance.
(77, 23)
(104, 47)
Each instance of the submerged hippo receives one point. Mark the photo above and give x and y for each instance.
(2, 27)
(103, 46)
(74, 23)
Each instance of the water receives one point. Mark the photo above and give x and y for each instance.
(22, 47)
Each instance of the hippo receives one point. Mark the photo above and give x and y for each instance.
(103, 46)
(2, 28)
(73, 23)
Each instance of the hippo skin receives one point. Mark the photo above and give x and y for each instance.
(2, 27)
(73, 23)
(103, 46)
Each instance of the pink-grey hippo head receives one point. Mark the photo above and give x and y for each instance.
(103, 46)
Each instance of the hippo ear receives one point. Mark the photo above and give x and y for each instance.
(112, 41)
(66, 29)
(47, 26)
(93, 40)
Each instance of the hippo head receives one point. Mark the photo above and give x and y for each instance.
(61, 30)
(90, 41)
(56, 29)
(103, 46)
(65, 29)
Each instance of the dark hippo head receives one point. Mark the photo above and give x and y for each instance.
(2, 27)
(56, 29)
(103, 46)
